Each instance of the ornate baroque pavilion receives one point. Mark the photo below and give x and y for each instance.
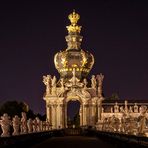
(74, 64)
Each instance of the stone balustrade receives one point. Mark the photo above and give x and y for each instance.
(18, 126)
(125, 119)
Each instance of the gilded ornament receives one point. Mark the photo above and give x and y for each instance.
(63, 59)
(55, 61)
(73, 27)
(84, 59)
(74, 17)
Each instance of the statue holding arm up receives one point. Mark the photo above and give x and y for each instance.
(53, 84)
(47, 82)
(93, 82)
(100, 78)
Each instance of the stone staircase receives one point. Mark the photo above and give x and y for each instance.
(73, 131)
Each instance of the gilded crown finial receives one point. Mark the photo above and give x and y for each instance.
(74, 17)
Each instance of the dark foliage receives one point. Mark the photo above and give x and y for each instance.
(13, 108)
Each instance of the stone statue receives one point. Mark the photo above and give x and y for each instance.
(41, 125)
(143, 110)
(5, 123)
(142, 125)
(104, 124)
(142, 122)
(62, 89)
(47, 82)
(122, 123)
(127, 124)
(93, 82)
(38, 124)
(30, 125)
(121, 109)
(84, 93)
(130, 109)
(24, 123)
(132, 126)
(116, 108)
(111, 110)
(85, 82)
(53, 84)
(47, 126)
(74, 79)
(44, 126)
(73, 43)
(16, 125)
(113, 123)
(62, 82)
(35, 125)
(102, 110)
(126, 106)
(135, 108)
(100, 78)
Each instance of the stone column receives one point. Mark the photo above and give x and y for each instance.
(87, 115)
(47, 112)
(53, 116)
(56, 115)
(65, 111)
(59, 116)
(81, 117)
(50, 114)
(99, 104)
(99, 110)
(126, 107)
(91, 113)
(84, 113)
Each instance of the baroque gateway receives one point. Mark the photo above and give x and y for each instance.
(73, 64)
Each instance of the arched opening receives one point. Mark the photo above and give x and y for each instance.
(73, 113)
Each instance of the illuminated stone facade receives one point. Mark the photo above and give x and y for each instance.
(73, 64)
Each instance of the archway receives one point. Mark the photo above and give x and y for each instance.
(73, 113)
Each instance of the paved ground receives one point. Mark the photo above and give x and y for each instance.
(74, 142)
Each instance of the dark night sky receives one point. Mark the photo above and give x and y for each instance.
(32, 32)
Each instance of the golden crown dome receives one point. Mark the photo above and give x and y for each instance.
(67, 60)
(73, 57)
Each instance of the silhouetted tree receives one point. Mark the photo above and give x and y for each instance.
(13, 108)
(30, 114)
(41, 117)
